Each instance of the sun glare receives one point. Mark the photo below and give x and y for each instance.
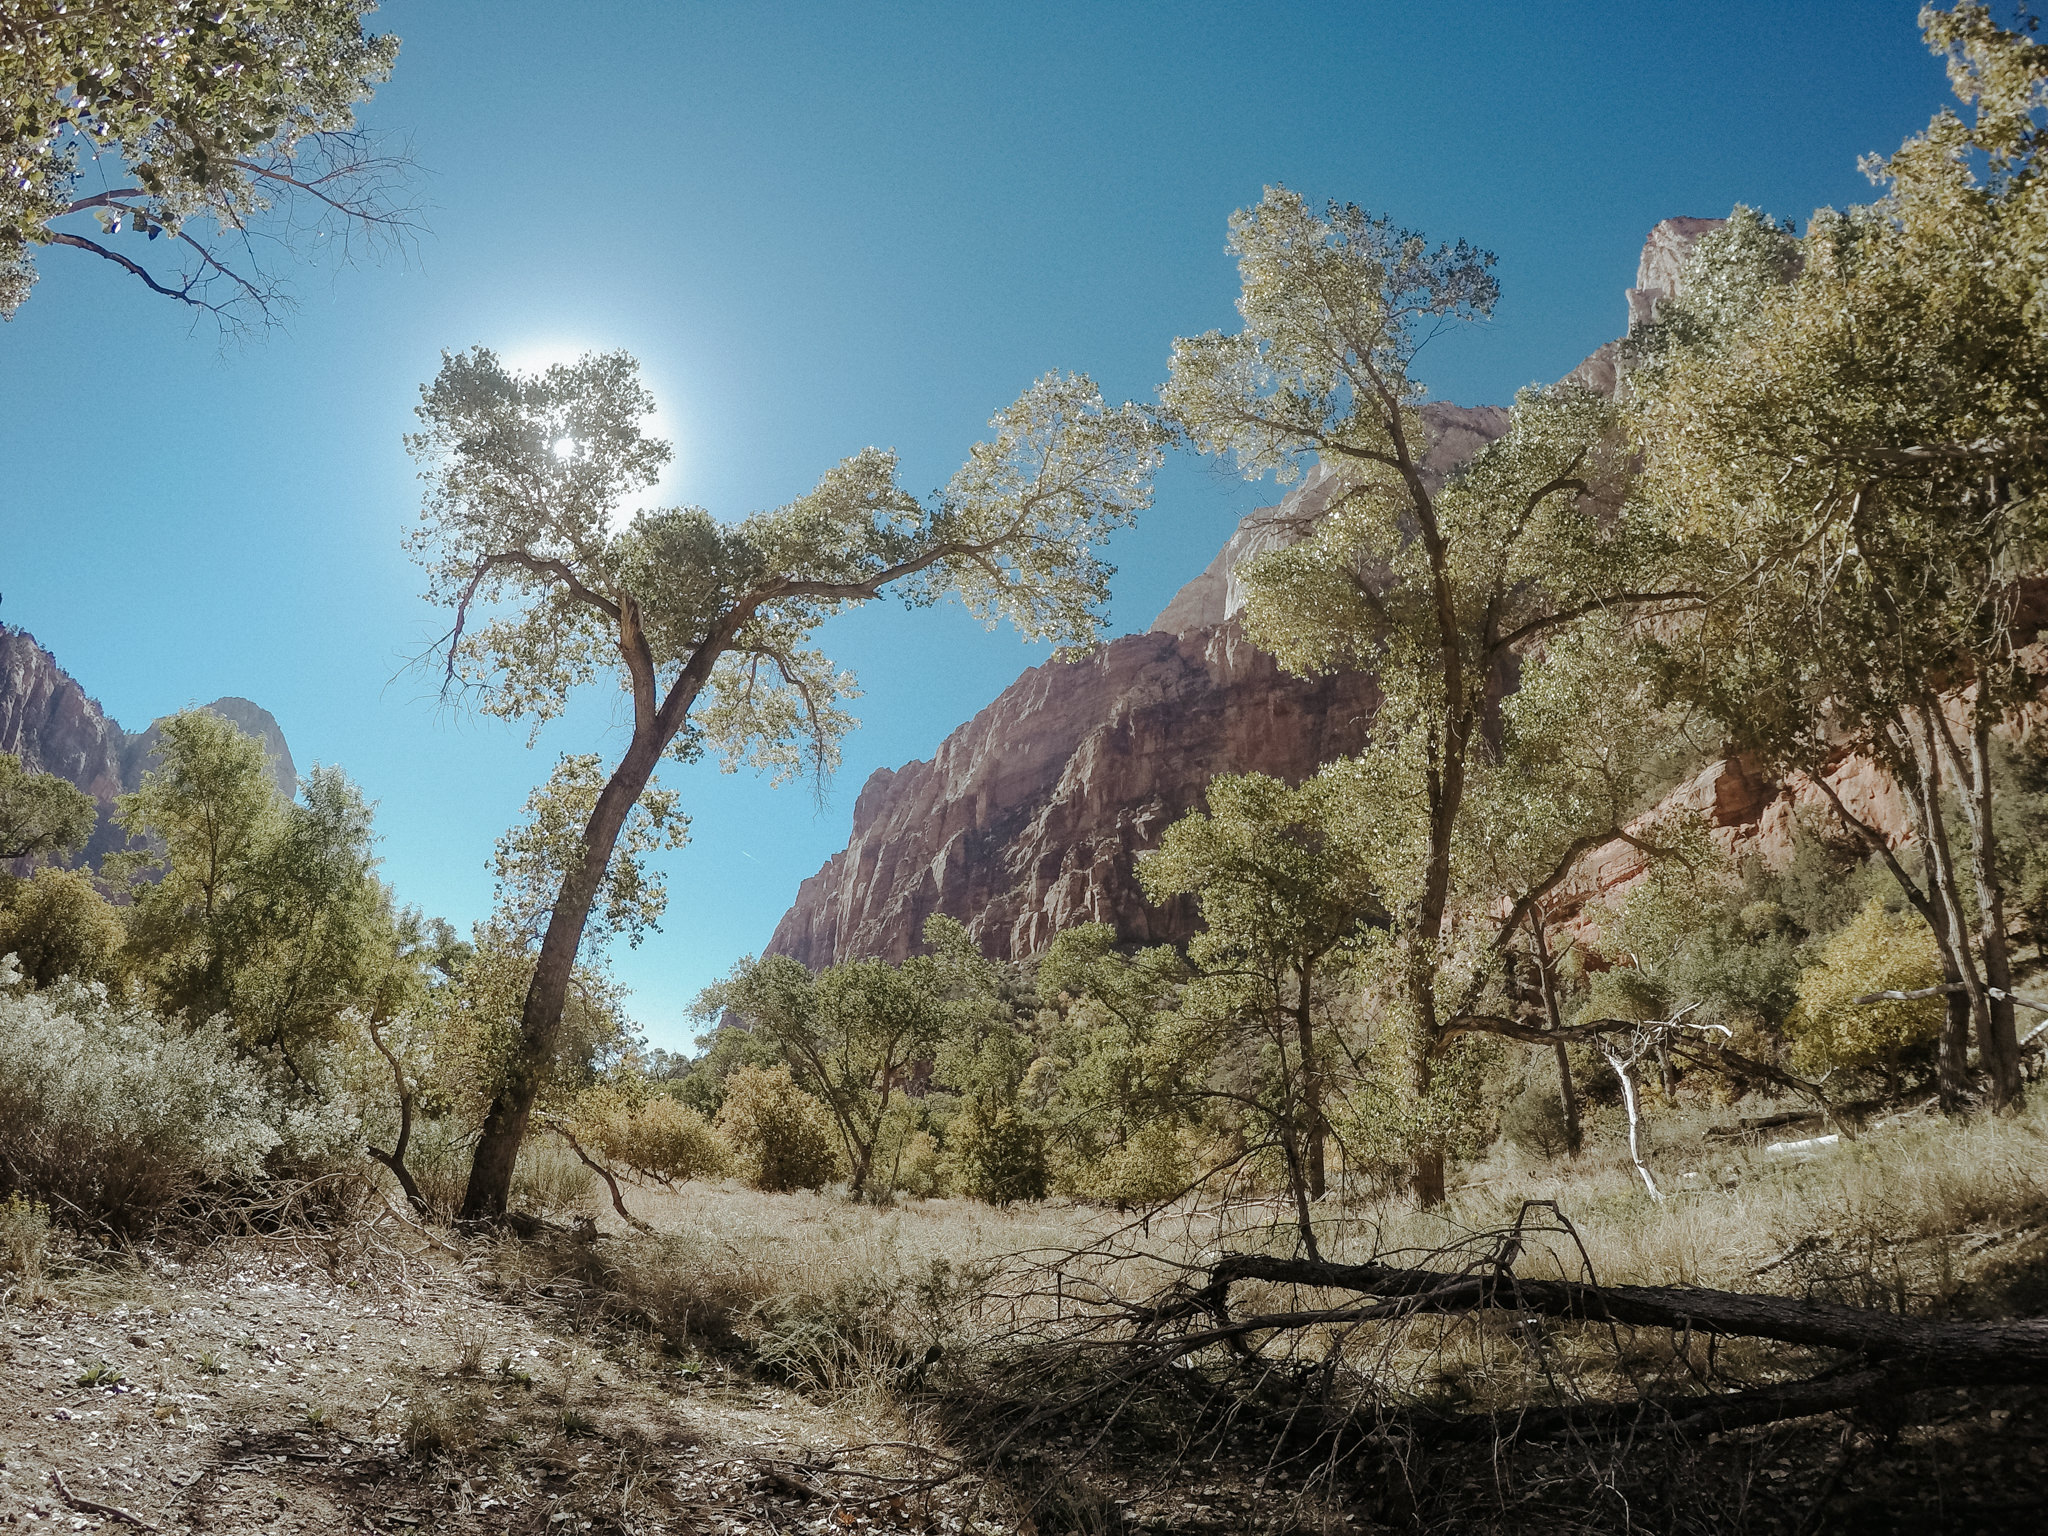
(539, 354)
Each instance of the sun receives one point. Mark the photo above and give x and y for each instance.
(540, 353)
(539, 356)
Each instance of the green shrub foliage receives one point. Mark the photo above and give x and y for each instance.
(780, 1134)
(113, 1114)
(56, 924)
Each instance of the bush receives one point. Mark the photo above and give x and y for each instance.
(1000, 1154)
(55, 924)
(1875, 951)
(1534, 1119)
(780, 1134)
(29, 1245)
(113, 1114)
(662, 1139)
(1150, 1168)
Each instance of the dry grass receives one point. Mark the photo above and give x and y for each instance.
(1920, 1214)
(1908, 1197)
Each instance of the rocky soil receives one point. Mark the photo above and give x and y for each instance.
(256, 1389)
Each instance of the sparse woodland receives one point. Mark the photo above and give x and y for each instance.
(1430, 1187)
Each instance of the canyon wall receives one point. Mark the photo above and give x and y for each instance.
(49, 721)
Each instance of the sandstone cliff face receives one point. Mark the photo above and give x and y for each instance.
(48, 721)
(1029, 818)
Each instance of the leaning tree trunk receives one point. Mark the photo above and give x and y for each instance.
(540, 1021)
(1313, 1131)
(1567, 1093)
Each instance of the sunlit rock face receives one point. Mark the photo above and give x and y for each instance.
(1029, 818)
(50, 723)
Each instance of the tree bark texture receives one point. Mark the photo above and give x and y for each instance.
(1975, 1352)
(540, 1021)
(1313, 1132)
(1546, 983)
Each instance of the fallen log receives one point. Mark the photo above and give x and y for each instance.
(1970, 1353)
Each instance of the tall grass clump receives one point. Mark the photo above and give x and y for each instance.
(111, 1114)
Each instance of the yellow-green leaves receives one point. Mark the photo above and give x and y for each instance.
(1333, 308)
(199, 114)
(533, 857)
(1876, 951)
(41, 814)
(1022, 518)
(1284, 875)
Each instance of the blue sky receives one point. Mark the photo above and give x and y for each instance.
(821, 227)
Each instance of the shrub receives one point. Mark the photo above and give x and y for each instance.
(662, 1138)
(113, 1114)
(1000, 1154)
(28, 1243)
(55, 924)
(780, 1134)
(917, 1167)
(1150, 1168)
(1534, 1119)
(1875, 951)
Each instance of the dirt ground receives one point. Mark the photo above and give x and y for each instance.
(253, 1390)
(277, 1386)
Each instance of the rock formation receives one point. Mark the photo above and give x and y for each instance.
(1030, 817)
(48, 721)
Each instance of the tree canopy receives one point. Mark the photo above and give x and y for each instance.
(41, 814)
(1448, 589)
(230, 129)
(554, 581)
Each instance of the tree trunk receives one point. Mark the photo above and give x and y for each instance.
(1998, 1043)
(540, 1021)
(1574, 1139)
(395, 1158)
(1429, 1178)
(1944, 916)
(1313, 1135)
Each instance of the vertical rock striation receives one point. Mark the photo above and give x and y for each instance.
(1029, 818)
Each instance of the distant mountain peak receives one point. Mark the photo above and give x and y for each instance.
(49, 721)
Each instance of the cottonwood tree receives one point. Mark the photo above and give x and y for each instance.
(264, 909)
(1286, 895)
(851, 1035)
(705, 626)
(1860, 431)
(1442, 590)
(224, 130)
(40, 814)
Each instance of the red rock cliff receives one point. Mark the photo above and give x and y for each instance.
(48, 721)
(1029, 817)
